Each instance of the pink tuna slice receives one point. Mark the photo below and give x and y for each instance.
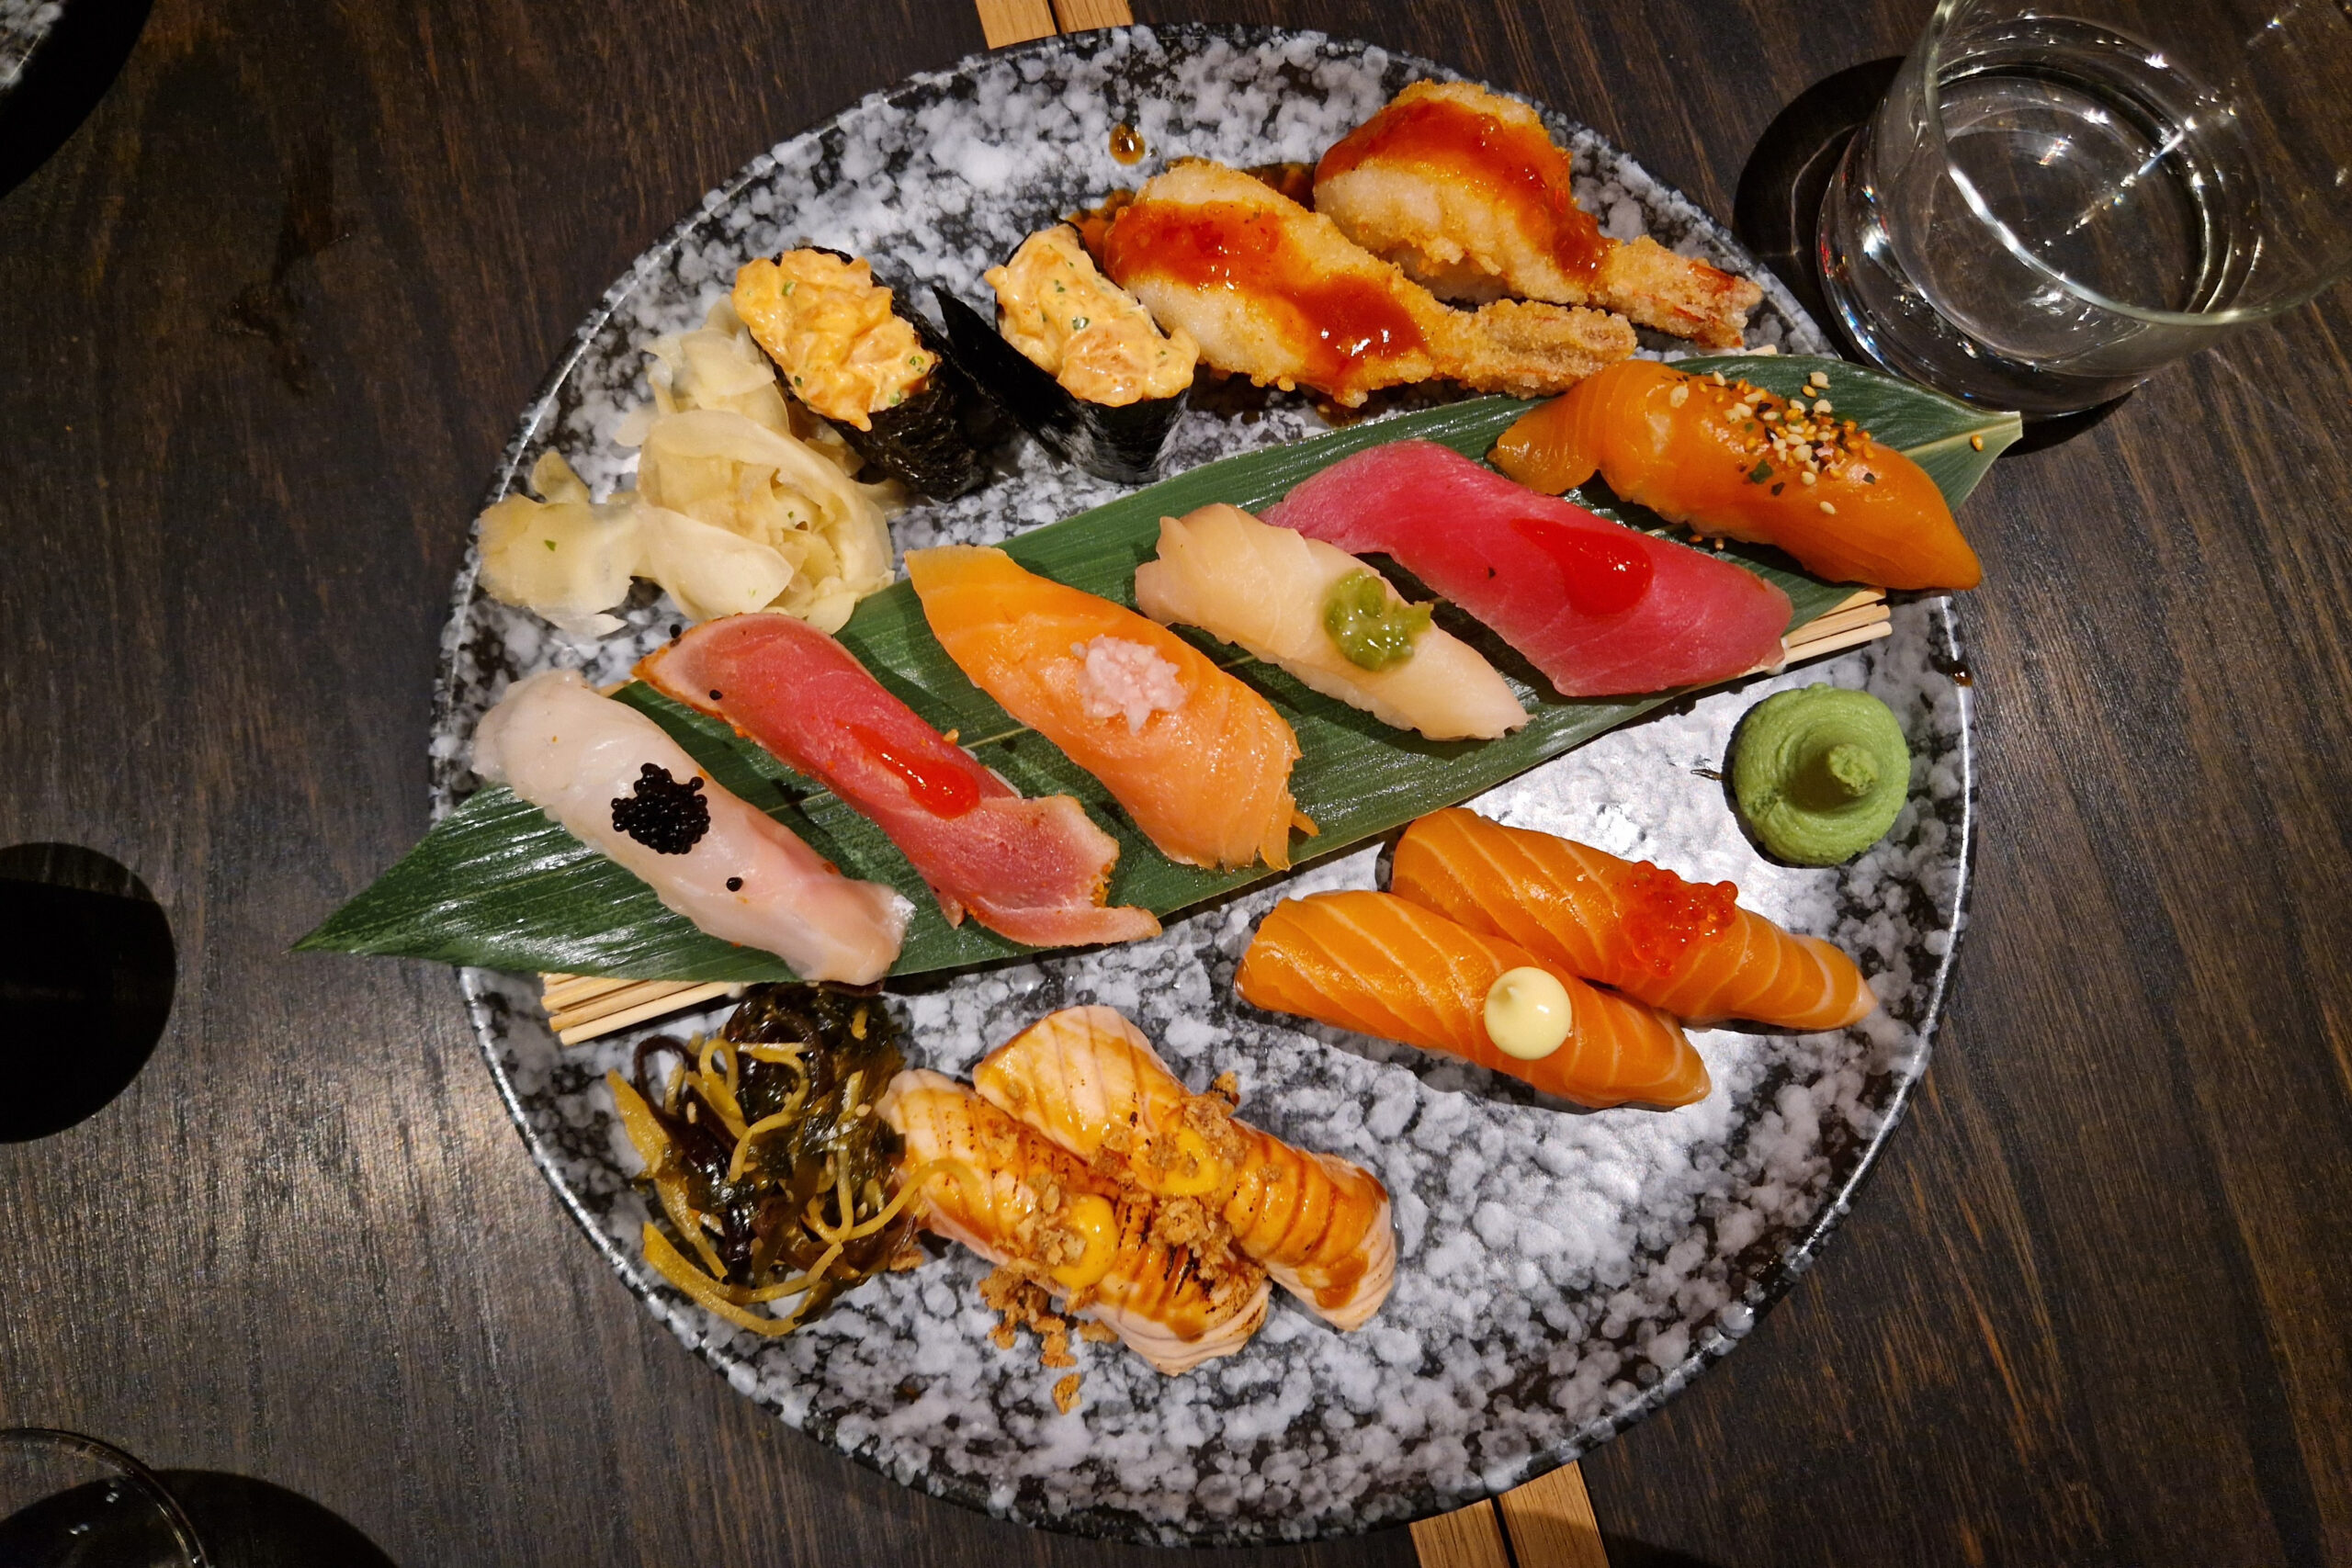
(1032, 870)
(1599, 608)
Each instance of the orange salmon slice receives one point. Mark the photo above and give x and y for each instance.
(1626, 924)
(1379, 964)
(1199, 760)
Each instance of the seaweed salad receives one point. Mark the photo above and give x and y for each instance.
(772, 1177)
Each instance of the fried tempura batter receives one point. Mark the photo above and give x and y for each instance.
(1466, 191)
(1274, 292)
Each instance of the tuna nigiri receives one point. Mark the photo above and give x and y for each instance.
(1088, 1080)
(616, 780)
(1199, 760)
(1032, 870)
(1326, 618)
(1378, 965)
(1025, 1205)
(1732, 459)
(1598, 607)
(1682, 946)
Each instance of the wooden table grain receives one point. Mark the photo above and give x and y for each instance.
(268, 318)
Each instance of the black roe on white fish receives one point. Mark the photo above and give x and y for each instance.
(663, 815)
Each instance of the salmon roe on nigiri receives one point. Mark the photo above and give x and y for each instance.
(1729, 458)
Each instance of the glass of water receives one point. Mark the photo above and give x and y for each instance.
(2054, 201)
(68, 1501)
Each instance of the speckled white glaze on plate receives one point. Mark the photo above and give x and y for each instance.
(1562, 1272)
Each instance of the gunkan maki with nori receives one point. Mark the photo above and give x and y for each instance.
(1075, 359)
(854, 355)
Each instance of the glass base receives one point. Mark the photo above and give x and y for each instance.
(1892, 322)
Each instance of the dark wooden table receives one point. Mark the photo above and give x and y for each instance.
(268, 318)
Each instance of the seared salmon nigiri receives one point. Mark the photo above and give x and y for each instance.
(1027, 1206)
(1377, 963)
(1199, 760)
(1088, 1080)
(1682, 946)
(1732, 459)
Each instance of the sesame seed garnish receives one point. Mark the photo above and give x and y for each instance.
(1821, 405)
(1806, 478)
(1828, 509)
(1679, 396)
(1816, 379)
(1977, 442)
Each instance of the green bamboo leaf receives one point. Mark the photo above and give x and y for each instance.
(498, 883)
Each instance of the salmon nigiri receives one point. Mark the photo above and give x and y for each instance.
(1199, 760)
(1379, 964)
(1732, 459)
(1682, 946)
(1088, 1080)
(1027, 1206)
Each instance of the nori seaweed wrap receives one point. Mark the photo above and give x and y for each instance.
(1076, 360)
(856, 354)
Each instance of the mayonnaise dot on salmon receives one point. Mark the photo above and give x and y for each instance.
(1528, 1013)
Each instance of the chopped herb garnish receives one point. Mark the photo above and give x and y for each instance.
(548, 543)
(1760, 473)
(1078, 323)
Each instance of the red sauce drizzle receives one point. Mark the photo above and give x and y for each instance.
(1516, 165)
(1599, 575)
(1342, 324)
(941, 788)
(1663, 915)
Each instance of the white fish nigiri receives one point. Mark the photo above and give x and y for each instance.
(1266, 588)
(745, 878)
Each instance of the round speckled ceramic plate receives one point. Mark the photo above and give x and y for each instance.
(1562, 1272)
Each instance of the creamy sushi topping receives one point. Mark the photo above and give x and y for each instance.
(843, 350)
(1118, 679)
(1082, 329)
(1528, 1013)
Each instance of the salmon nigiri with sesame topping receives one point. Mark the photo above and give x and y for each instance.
(1684, 946)
(1730, 459)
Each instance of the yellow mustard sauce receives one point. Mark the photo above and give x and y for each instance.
(1082, 329)
(1095, 1220)
(1528, 1013)
(829, 328)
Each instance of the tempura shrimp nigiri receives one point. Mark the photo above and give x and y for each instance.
(1088, 1080)
(1466, 191)
(1732, 459)
(1682, 946)
(1025, 1205)
(616, 780)
(1377, 963)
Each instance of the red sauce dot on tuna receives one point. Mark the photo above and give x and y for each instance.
(1662, 915)
(941, 788)
(1600, 574)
